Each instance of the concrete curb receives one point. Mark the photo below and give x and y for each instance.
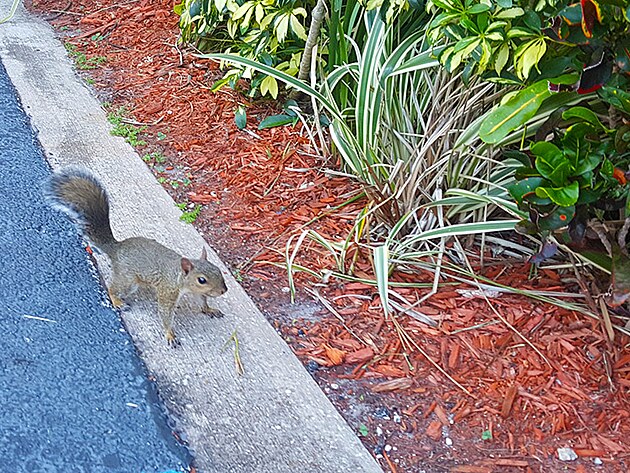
(274, 418)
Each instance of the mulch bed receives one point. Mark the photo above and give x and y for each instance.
(493, 405)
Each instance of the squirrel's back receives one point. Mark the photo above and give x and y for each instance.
(79, 194)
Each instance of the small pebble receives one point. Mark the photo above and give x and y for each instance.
(379, 431)
(397, 418)
(381, 412)
(334, 386)
(388, 448)
(448, 441)
(566, 454)
(312, 366)
(598, 461)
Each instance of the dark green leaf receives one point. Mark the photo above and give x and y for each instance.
(519, 156)
(526, 172)
(240, 117)
(576, 146)
(587, 163)
(277, 120)
(525, 227)
(584, 114)
(526, 186)
(552, 163)
(617, 97)
(588, 196)
(562, 196)
(559, 218)
(532, 20)
(288, 105)
(607, 168)
(478, 8)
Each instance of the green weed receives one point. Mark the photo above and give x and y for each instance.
(81, 60)
(154, 157)
(126, 130)
(188, 216)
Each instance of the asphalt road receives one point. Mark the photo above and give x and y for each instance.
(74, 396)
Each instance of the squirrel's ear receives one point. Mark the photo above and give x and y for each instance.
(204, 254)
(187, 265)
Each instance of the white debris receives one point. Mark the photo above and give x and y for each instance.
(566, 454)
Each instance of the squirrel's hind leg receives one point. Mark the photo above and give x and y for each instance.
(121, 287)
(167, 300)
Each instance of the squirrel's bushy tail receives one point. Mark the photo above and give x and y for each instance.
(80, 195)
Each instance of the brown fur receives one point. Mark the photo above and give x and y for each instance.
(135, 261)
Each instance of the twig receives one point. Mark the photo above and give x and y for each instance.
(129, 121)
(99, 29)
(496, 312)
(237, 357)
(430, 360)
(62, 12)
(610, 332)
(332, 310)
(116, 5)
(179, 51)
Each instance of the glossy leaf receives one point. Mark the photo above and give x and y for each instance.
(240, 117)
(277, 120)
(521, 188)
(562, 196)
(514, 113)
(552, 163)
(559, 218)
(584, 114)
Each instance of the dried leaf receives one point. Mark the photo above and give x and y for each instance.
(334, 355)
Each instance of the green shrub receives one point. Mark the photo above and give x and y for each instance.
(272, 32)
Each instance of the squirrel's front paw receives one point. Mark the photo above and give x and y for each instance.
(172, 340)
(211, 311)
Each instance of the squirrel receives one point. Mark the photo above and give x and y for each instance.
(137, 260)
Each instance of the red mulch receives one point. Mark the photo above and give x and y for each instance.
(514, 408)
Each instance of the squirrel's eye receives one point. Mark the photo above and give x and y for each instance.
(201, 280)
